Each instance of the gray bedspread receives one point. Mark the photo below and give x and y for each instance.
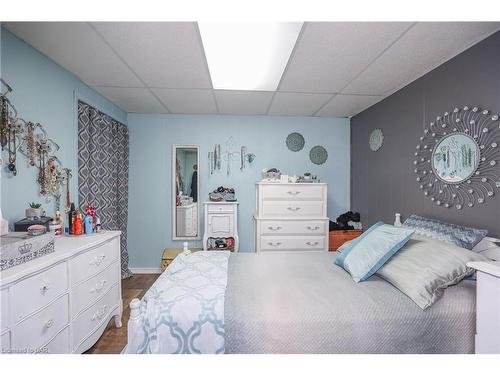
(303, 303)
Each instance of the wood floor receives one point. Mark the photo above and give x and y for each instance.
(113, 340)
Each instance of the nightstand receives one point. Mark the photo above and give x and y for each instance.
(338, 237)
(487, 307)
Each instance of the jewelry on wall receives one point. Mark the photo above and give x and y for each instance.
(31, 140)
(229, 154)
(457, 159)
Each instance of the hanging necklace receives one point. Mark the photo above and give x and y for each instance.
(4, 122)
(30, 143)
(11, 147)
(42, 176)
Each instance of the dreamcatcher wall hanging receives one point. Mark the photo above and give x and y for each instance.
(457, 159)
(18, 136)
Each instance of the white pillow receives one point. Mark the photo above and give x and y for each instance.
(489, 247)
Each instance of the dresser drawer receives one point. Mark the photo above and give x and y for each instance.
(308, 227)
(59, 344)
(38, 329)
(5, 342)
(293, 192)
(91, 262)
(89, 291)
(38, 290)
(215, 208)
(95, 315)
(302, 243)
(292, 209)
(5, 312)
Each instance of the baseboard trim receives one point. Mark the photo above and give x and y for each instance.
(145, 270)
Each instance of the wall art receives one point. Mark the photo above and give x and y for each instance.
(457, 159)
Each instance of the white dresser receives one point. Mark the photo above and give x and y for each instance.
(187, 220)
(291, 216)
(62, 302)
(221, 221)
(487, 307)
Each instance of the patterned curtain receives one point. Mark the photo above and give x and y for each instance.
(103, 171)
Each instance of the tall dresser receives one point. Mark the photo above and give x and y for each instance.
(291, 217)
(62, 302)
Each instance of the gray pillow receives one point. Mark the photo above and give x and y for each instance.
(425, 267)
(459, 235)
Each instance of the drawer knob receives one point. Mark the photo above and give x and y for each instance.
(274, 244)
(293, 192)
(97, 260)
(45, 286)
(98, 287)
(312, 228)
(293, 208)
(49, 323)
(100, 313)
(312, 243)
(274, 228)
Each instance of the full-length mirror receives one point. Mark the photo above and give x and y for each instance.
(185, 190)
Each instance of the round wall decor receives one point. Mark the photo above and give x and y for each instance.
(295, 142)
(457, 159)
(376, 139)
(318, 155)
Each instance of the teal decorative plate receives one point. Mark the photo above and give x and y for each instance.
(295, 142)
(318, 155)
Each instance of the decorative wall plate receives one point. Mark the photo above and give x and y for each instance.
(457, 159)
(376, 139)
(295, 142)
(318, 155)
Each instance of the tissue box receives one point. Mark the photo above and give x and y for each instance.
(18, 248)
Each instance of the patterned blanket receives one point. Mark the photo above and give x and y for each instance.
(183, 312)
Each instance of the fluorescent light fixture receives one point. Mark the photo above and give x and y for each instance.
(248, 55)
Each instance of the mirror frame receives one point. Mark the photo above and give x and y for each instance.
(173, 197)
(476, 165)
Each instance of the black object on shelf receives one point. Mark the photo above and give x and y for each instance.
(342, 221)
(22, 225)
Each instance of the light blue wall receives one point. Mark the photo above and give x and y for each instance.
(43, 92)
(151, 140)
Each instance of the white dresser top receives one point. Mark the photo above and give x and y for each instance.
(290, 183)
(65, 247)
(491, 267)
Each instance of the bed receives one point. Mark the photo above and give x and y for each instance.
(291, 303)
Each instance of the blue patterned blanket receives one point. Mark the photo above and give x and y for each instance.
(183, 312)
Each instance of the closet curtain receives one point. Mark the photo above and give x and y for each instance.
(103, 171)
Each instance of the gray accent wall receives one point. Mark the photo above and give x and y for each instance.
(383, 182)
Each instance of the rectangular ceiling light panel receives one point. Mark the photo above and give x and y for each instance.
(248, 55)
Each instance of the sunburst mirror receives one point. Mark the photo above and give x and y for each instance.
(456, 161)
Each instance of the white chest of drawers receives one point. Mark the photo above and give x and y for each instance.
(291, 217)
(62, 302)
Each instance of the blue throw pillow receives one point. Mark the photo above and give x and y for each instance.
(370, 251)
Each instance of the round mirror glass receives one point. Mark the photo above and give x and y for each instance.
(455, 158)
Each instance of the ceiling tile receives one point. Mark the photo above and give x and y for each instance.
(187, 100)
(135, 100)
(297, 104)
(243, 102)
(347, 105)
(330, 54)
(163, 54)
(424, 47)
(76, 47)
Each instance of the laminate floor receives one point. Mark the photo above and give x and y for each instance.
(113, 340)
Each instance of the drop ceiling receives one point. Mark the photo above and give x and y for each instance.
(337, 69)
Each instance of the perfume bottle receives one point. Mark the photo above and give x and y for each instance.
(77, 223)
